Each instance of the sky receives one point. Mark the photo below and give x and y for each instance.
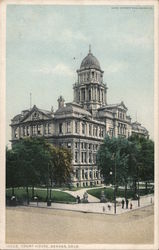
(46, 44)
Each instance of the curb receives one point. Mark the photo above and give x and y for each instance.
(90, 212)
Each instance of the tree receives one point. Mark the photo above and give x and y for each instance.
(33, 162)
(145, 158)
(117, 156)
(60, 165)
(12, 179)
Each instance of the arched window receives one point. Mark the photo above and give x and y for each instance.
(89, 95)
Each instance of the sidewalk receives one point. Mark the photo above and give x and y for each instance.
(98, 207)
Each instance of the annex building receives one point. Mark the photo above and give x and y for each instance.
(80, 125)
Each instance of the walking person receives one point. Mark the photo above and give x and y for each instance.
(109, 206)
(131, 205)
(127, 203)
(123, 202)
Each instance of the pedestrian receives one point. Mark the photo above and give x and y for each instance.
(103, 209)
(151, 200)
(123, 202)
(127, 203)
(78, 199)
(109, 206)
(130, 205)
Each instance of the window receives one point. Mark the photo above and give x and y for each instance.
(90, 146)
(85, 157)
(34, 129)
(85, 145)
(15, 133)
(68, 127)
(76, 173)
(27, 130)
(102, 132)
(60, 128)
(82, 173)
(48, 127)
(76, 156)
(44, 129)
(76, 127)
(82, 145)
(69, 144)
(93, 74)
(76, 145)
(83, 94)
(24, 134)
(86, 175)
(90, 129)
(94, 158)
(96, 131)
(39, 129)
(90, 174)
(83, 128)
(89, 93)
(90, 157)
(82, 157)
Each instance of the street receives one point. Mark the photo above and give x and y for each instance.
(42, 225)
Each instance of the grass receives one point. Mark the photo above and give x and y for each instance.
(109, 193)
(57, 196)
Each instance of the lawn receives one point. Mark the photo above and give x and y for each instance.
(109, 193)
(56, 196)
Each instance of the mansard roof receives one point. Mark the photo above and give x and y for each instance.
(136, 126)
(72, 107)
(118, 105)
(26, 113)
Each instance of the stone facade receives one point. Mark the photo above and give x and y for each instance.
(80, 125)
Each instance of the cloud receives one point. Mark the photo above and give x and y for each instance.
(116, 67)
(138, 41)
(59, 69)
(73, 35)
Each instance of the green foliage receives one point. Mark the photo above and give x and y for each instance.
(109, 193)
(128, 160)
(60, 165)
(32, 162)
(57, 196)
(117, 155)
(145, 157)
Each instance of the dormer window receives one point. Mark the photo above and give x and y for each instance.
(60, 128)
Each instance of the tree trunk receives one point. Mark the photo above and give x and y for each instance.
(126, 191)
(32, 191)
(13, 191)
(135, 189)
(146, 187)
(27, 190)
(47, 193)
(50, 193)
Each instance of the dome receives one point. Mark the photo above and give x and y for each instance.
(90, 61)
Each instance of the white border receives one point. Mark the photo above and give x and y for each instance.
(3, 5)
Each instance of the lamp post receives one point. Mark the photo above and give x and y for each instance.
(114, 158)
(138, 190)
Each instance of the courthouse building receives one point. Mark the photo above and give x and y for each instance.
(80, 125)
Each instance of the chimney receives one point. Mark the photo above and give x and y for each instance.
(61, 102)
